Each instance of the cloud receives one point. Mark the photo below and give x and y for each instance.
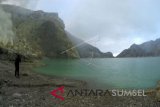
(23, 3)
(117, 22)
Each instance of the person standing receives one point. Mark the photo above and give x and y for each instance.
(17, 61)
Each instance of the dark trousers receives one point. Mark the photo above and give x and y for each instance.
(17, 71)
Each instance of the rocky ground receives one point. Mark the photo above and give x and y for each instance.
(33, 90)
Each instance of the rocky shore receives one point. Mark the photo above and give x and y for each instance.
(33, 90)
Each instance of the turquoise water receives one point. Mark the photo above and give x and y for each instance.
(137, 73)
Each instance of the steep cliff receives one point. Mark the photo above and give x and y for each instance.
(38, 34)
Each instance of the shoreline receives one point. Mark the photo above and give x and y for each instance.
(33, 90)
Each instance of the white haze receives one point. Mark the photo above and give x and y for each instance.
(30, 4)
(6, 28)
(117, 23)
(7, 35)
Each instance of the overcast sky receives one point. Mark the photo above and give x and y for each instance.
(115, 24)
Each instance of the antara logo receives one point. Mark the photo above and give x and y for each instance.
(58, 91)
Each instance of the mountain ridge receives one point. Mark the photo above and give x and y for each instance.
(86, 50)
(147, 49)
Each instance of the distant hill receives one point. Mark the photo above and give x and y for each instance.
(150, 48)
(86, 50)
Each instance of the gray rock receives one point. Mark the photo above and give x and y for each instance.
(16, 95)
(1, 98)
(158, 95)
(158, 91)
